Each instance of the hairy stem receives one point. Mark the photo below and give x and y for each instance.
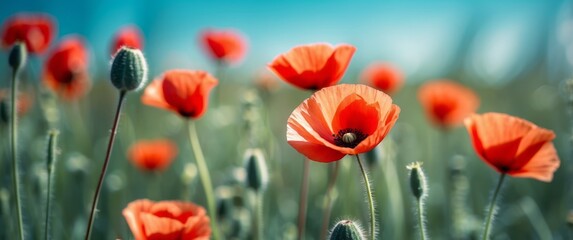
(491, 211)
(204, 176)
(421, 220)
(370, 199)
(105, 163)
(14, 149)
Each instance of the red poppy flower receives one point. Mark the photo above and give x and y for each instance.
(129, 36)
(66, 69)
(313, 66)
(513, 145)
(36, 30)
(224, 45)
(383, 76)
(167, 220)
(185, 92)
(340, 120)
(447, 103)
(152, 155)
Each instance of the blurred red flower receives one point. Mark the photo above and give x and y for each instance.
(185, 92)
(167, 220)
(153, 154)
(313, 66)
(340, 120)
(66, 69)
(513, 145)
(447, 103)
(129, 36)
(227, 46)
(384, 77)
(35, 30)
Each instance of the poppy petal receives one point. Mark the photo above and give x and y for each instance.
(160, 228)
(153, 95)
(541, 166)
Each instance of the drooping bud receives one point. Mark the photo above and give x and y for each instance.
(346, 230)
(418, 180)
(129, 69)
(18, 55)
(257, 174)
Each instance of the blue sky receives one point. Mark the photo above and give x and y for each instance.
(422, 37)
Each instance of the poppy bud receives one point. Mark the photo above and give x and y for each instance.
(129, 69)
(418, 181)
(257, 176)
(346, 230)
(17, 58)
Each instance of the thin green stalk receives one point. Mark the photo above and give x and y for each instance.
(328, 202)
(14, 146)
(491, 207)
(51, 164)
(370, 199)
(258, 215)
(204, 176)
(303, 199)
(105, 163)
(421, 220)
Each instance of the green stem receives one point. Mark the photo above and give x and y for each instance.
(491, 208)
(14, 146)
(328, 202)
(303, 199)
(258, 218)
(370, 199)
(105, 163)
(204, 176)
(51, 161)
(421, 220)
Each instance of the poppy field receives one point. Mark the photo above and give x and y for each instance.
(436, 120)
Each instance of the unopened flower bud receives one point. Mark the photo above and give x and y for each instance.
(129, 69)
(417, 180)
(346, 230)
(18, 55)
(257, 175)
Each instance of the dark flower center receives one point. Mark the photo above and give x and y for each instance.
(349, 137)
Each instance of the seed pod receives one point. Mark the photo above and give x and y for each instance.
(257, 174)
(418, 181)
(129, 69)
(346, 230)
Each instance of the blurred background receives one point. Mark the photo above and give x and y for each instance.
(517, 56)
